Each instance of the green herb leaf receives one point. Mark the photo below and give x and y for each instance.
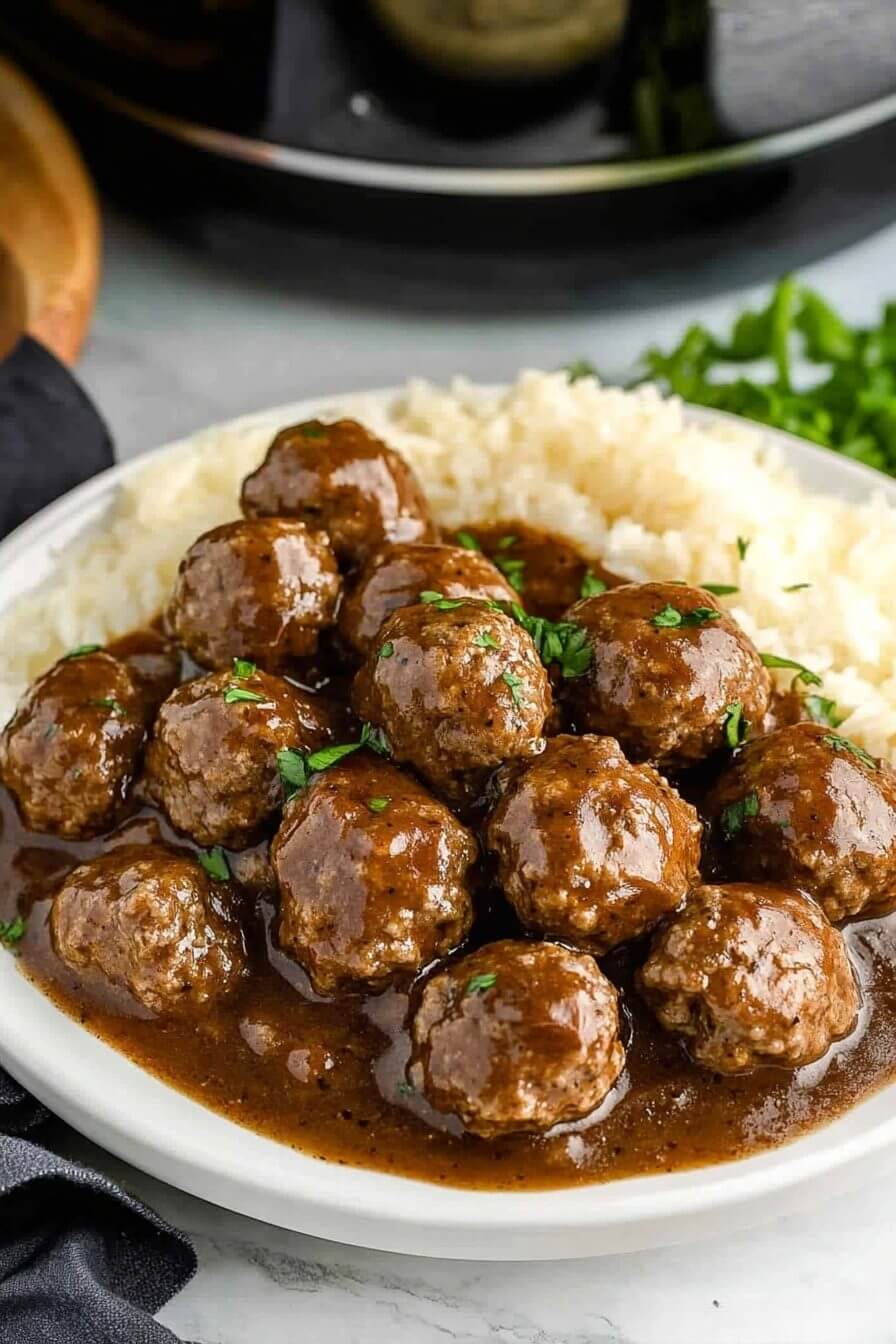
(795, 587)
(375, 739)
(592, 586)
(578, 369)
(803, 674)
(670, 617)
(327, 756)
(575, 657)
(737, 728)
(514, 683)
(478, 984)
(386, 650)
(667, 619)
(243, 669)
(81, 651)
(468, 541)
(12, 932)
(440, 603)
(743, 545)
(214, 861)
(504, 543)
(821, 710)
(720, 589)
(378, 804)
(735, 814)
(293, 769)
(563, 642)
(405, 1090)
(235, 695)
(844, 744)
(513, 571)
(114, 708)
(485, 640)
(313, 429)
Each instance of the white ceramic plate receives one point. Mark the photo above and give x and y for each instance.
(142, 1120)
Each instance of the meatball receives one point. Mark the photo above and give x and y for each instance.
(261, 590)
(152, 922)
(666, 666)
(458, 688)
(517, 1036)
(154, 662)
(397, 575)
(211, 764)
(70, 751)
(806, 807)
(751, 975)
(342, 478)
(373, 876)
(589, 848)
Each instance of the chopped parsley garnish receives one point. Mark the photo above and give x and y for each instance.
(670, 618)
(478, 984)
(114, 708)
(12, 932)
(405, 1090)
(327, 756)
(236, 694)
(504, 543)
(737, 728)
(720, 589)
(467, 540)
(243, 669)
(375, 739)
(313, 430)
(803, 674)
(743, 545)
(386, 650)
(440, 603)
(844, 744)
(297, 767)
(563, 642)
(514, 683)
(293, 769)
(81, 651)
(214, 861)
(486, 640)
(795, 587)
(378, 804)
(578, 369)
(592, 586)
(735, 814)
(821, 710)
(513, 571)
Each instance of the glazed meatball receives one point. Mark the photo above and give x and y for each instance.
(154, 662)
(751, 975)
(262, 590)
(666, 665)
(589, 848)
(517, 1036)
(397, 575)
(342, 478)
(373, 876)
(547, 572)
(806, 807)
(211, 764)
(458, 688)
(151, 922)
(70, 751)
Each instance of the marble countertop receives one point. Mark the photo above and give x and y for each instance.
(180, 340)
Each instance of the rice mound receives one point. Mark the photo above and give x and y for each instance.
(621, 473)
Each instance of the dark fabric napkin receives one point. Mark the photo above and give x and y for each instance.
(81, 1262)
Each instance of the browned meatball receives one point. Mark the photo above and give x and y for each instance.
(546, 570)
(666, 665)
(151, 922)
(806, 807)
(154, 661)
(591, 849)
(517, 1036)
(397, 575)
(70, 751)
(373, 875)
(261, 590)
(751, 975)
(344, 479)
(212, 761)
(458, 688)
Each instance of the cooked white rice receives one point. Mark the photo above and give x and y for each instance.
(621, 473)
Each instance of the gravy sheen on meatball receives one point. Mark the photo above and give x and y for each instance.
(373, 875)
(71, 750)
(344, 479)
(151, 922)
(260, 589)
(211, 764)
(517, 1037)
(589, 848)
(396, 576)
(805, 807)
(458, 688)
(666, 665)
(751, 975)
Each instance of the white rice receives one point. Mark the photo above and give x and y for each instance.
(621, 473)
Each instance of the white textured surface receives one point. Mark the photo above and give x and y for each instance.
(177, 344)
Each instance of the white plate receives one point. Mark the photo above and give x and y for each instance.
(142, 1120)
